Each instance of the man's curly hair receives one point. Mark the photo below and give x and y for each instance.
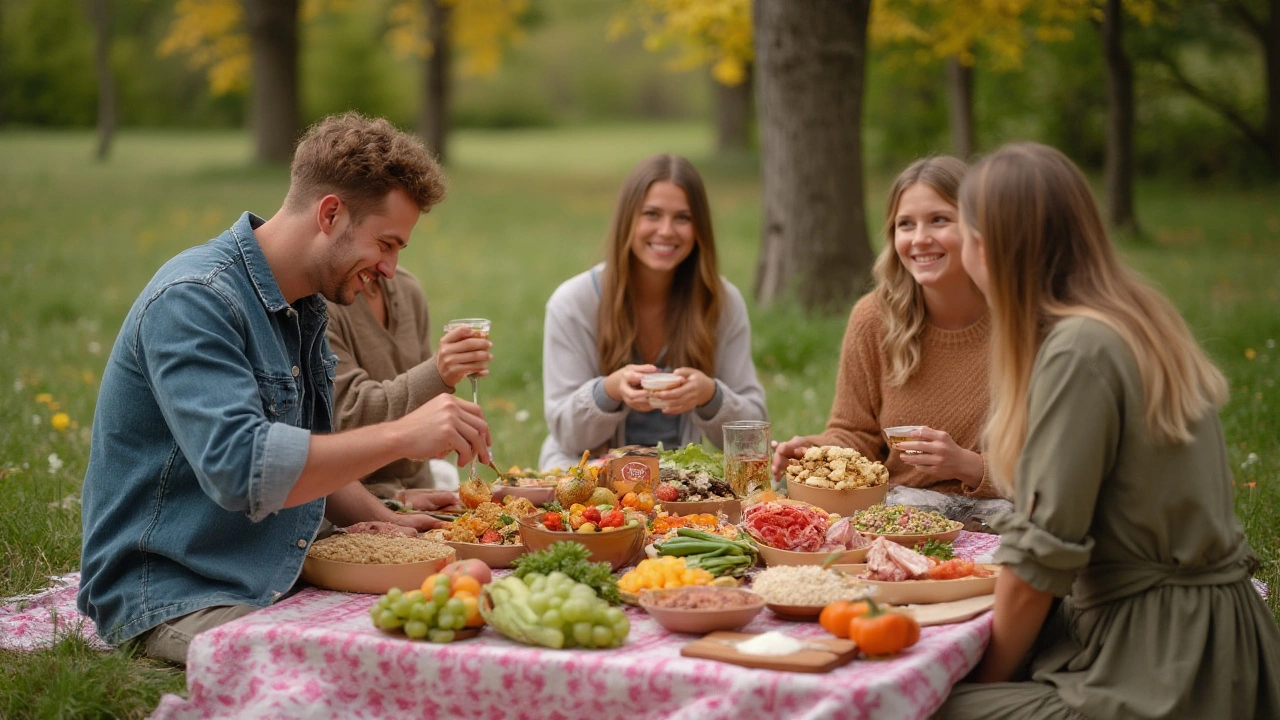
(362, 159)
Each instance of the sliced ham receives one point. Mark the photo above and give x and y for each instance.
(786, 527)
(892, 562)
(843, 536)
(377, 527)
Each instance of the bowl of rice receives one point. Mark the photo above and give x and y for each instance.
(367, 563)
(799, 592)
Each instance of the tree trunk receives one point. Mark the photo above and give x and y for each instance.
(733, 116)
(960, 107)
(273, 43)
(1119, 162)
(100, 11)
(811, 62)
(1271, 51)
(433, 119)
(2, 63)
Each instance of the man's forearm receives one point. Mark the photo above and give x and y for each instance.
(341, 458)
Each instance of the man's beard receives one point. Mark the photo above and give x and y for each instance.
(335, 286)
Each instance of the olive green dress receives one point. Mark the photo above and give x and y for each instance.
(1160, 619)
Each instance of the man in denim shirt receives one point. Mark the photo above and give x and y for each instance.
(213, 459)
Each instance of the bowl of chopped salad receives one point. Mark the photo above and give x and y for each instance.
(488, 533)
(905, 525)
(691, 482)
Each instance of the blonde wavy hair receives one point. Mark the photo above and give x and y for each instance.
(899, 296)
(1048, 257)
(693, 310)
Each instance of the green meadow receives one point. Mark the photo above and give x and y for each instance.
(526, 210)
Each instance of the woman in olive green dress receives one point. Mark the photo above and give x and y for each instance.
(1104, 426)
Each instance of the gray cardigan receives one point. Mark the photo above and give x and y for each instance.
(571, 370)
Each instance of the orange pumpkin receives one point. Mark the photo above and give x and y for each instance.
(880, 633)
(836, 616)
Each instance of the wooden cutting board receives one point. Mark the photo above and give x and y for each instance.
(714, 646)
(950, 612)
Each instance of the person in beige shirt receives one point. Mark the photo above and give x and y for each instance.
(386, 368)
(916, 353)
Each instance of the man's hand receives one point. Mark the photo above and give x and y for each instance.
(421, 523)
(446, 424)
(462, 353)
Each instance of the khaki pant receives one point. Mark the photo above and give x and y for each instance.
(169, 640)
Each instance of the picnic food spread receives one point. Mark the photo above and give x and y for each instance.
(558, 597)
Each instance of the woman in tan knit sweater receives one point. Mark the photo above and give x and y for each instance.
(915, 351)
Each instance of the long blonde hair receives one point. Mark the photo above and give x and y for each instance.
(693, 310)
(899, 296)
(1048, 257)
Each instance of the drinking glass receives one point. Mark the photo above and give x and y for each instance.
(479, 328)
(746, 455)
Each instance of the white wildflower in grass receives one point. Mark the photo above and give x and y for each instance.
(35, 420)
(1271, 343)
(1249, 461)
(94, 347)
(810, 394)
(17, 386)
(55, 463)
(781, 380)
(70, 502)
(522, 415)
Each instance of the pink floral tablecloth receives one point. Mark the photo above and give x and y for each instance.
(316, 655)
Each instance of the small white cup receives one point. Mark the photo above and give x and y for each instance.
(655, 382)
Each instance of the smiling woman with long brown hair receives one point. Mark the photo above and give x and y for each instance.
(1105, 428)
(656, 304)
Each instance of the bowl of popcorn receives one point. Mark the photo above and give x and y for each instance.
(838, 480)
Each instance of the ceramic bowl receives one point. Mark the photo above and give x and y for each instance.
(537, 494)
(774, 556)
(918, 539)
(701, 621)
(369, 578)
(618, 547)
(731, 507)
(491, 554)
(841, 502)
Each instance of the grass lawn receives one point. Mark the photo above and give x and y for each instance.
(526, 211)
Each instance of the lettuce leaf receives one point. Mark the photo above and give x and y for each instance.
(694, 458)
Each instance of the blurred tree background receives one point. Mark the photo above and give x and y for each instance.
(1183, 90)
(1201, 70)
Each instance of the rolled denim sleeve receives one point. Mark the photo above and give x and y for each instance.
(190, 348)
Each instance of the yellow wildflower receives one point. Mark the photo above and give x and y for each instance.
(1249, 354)
(60, 421)
(45, 398)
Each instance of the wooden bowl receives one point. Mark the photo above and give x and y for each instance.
(842, 502)
(491, 554)
(913, 541)
(919, 592)
(731, 507)
(369, 578)
(701, 621)
(537, 494)
(797, 613)
(774, 556)
(618, 547)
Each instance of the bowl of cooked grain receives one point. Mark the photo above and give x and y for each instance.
(844, 502)
(364, 563)
(799, 592)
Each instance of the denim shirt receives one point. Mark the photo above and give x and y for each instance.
(202, 427)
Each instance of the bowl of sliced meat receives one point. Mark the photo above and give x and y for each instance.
(903, 576)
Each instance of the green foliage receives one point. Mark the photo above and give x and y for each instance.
(75, 680)
(572, 559)
(48, 63)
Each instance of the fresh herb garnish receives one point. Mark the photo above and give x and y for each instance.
(694, 458)
(936, 548)
(572, 559)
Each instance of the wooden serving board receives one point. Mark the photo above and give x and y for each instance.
(713, 647)
(950, 612)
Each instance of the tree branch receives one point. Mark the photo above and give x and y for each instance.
(1247, 18)
(1218, 105)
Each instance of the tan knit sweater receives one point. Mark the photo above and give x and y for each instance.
(948, 391)
(385, 373)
